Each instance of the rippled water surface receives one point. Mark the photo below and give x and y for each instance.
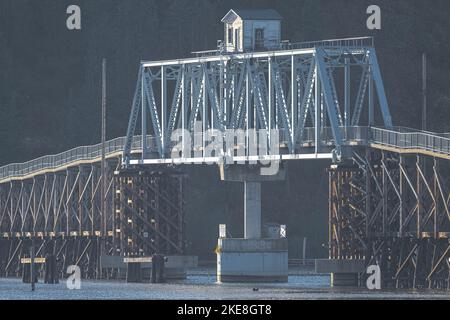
(203, 286)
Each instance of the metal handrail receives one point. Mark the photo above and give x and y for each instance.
(411, 140)
(344, 42)
(65, 158)
(397, 137)
(269, 45)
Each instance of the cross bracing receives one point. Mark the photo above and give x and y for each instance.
(283, 90)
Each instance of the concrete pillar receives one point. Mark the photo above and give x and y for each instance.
(252, 210)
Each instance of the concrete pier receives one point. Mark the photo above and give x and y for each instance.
(252, 210)
(252, 260)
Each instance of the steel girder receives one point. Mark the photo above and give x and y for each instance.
(392, 210)
(264, 91)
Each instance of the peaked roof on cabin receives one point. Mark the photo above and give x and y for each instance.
(252, 14)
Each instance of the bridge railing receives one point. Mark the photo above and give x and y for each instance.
(326, 137)
(411, 140)
(54, 161)
(357, 42)
(397, 137)
(401, 129)
(74, 155)
(269, 45)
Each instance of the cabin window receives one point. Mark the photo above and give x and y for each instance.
(230, 35)
(259, 38)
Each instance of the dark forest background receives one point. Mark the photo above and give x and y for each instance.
(50, 86)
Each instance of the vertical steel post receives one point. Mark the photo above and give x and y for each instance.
(144, 116)
(204, 97)
(247, 109)
(270, 96)
(163, 109)
(346, 95)
(317, 101)
(183, 107)
(293, 99)
(192, 74)
(323, 115)
(371, 98)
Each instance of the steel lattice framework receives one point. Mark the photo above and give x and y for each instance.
(285, 90)
(59, 213)
(392, 210)
(148, 213)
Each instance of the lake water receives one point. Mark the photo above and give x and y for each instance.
(202, 285)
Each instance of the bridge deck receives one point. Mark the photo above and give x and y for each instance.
(398, 139)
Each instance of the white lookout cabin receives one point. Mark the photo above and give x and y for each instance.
(251, 30)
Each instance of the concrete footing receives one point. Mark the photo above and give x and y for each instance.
(344, 280)
(252, 260)
(174, 267)
(344, 273)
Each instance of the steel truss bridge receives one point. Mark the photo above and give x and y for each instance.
(388, 204)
